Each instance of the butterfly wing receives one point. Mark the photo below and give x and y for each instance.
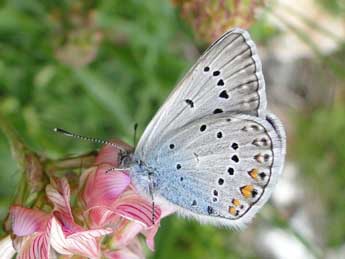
(226, 78)
(220, 168)
(214, 151)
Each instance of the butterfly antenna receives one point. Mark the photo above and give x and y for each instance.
(135, 135)
(90, 139)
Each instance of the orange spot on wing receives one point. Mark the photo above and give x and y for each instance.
(236, 202)
(254, 173)
(232, 210)
(247, 190)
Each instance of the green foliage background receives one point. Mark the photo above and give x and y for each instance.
(145, 48)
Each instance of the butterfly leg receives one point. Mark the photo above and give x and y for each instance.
(151, 186)
(116, 169)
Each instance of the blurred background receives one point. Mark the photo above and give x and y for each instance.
(98, 67)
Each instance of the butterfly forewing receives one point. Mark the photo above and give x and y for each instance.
(227, 78)
(220, 167)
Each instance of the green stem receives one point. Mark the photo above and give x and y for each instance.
(32, 181)
(18, 149)
(82, 161)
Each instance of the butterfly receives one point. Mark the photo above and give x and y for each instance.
(213, 151)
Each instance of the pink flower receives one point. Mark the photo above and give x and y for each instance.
(110, 199)
(106, 204)
(36, 231)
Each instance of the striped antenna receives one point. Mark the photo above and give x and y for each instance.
(95, 140)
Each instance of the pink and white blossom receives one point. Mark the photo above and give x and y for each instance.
(106, 204)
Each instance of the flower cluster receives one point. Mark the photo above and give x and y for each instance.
(210, 19)
(108, 214)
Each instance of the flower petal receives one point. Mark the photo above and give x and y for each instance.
(7, 250)
(83, 243)
(103, 188)
(150, 236)
(124, 253)
(150, 233)
(126, 232)
(132, 251)
(59, 193)
(101, 216)
(27, 221)
(136, 248)
(36, 246)
(109, 154)
(68, 225)
(19, 242)
(134, 207)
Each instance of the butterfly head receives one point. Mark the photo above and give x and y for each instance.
(142, 175)
(125, 159)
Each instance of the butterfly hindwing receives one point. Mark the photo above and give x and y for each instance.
(225, 172)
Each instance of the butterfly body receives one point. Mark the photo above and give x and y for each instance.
(213, 151)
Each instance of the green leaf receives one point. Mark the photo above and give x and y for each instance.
(106, 94)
